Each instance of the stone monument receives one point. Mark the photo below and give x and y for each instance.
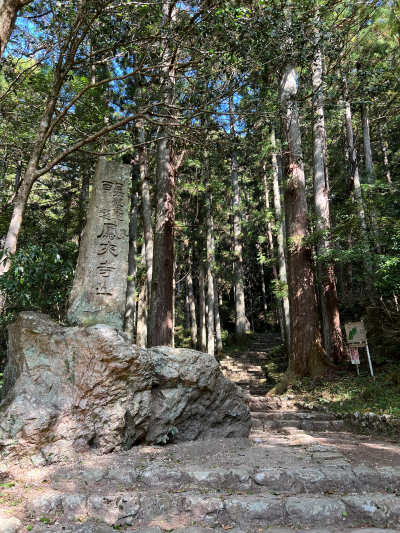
(99, 290)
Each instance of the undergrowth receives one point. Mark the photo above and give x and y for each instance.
(342, 390)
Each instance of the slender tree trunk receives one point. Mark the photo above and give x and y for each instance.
(173, 303)
(146, 210)
(64, 63)
(384, 152)
(353, 184)
(187, 306)
(281, 239)
(161, 323)
(218, 335)
(369, 166)
(3, 168)
(210, 260)
(263, 291)
(307, 356)
(141, 328)
(192, 305)
(331, 332)
(202, 310)
(271, 254)
(192, 309)
(8, 15)
(130, 307)
(251, 307)
(240, 311)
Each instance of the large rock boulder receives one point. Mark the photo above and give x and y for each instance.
(71, 389)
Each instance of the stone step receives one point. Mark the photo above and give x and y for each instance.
(326, 470)
(306, 421)
(293, 415)
(171, 510)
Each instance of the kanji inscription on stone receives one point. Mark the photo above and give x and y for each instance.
(99, 290)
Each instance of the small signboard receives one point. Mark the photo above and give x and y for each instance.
(355, 333)
(357, 338)
(354, 357)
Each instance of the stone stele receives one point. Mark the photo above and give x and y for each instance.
(99, 290)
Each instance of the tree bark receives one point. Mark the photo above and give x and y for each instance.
(8, 15)
(141, 328)
(384, 152)
(192, 305)
(210, 261)
(161, 323)
(307, 356)
(187, 306)
(263, 291)
(331, 332)
(217, 318)
(281, 238)
(202, 310)
(161, 311)
(146, 210)
(240, 311)
(130, 307)
(353, 184)
(369, 166)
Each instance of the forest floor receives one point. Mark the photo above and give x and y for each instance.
(342, 390)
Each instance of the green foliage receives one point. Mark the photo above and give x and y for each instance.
(40, 278)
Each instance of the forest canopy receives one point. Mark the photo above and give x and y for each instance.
(264, 141)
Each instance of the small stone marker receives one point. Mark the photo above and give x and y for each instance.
(99, 290)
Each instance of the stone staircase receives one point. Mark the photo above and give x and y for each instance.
(240, 484)
(246, 368)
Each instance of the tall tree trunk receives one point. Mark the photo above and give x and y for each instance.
(202, 310)
(162, 294)
(369, 166)
(210, 260)
(353, 184)
(130, 306)
(271, 255)
(192, 309)
(251, 306)
(141, 328)
(161, 323)
(263, 291)
(331, 332)
(192, 305)
(8, 15)
(384, 152)
(240, 311)
(307, 356)
(187, 306)
(281, 239)
(146, 210)
(218, 335)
